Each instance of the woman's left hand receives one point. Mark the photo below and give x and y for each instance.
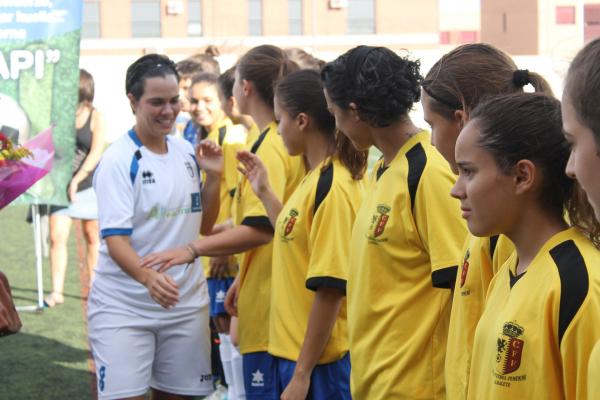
(167, 259)
(297, 389)
(210, 157)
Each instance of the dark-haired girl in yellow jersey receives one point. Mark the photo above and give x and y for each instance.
(307, 335)
(542, 311)
(455, 84)
(407, 236)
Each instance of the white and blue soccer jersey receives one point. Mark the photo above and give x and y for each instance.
(155, 200)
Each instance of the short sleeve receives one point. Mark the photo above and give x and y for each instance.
(330, 233)
(254, 213)
(440, 226)
(114, 185)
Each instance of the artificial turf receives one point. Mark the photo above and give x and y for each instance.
(49, 358)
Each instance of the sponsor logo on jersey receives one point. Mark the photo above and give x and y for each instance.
(378, 223)
(206, 378)
(465, 268)
(509, 349)
(258, 379)
(148, 177)
(288, 224)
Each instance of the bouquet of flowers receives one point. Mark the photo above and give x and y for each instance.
(22, 166)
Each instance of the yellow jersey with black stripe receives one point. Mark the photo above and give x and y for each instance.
(482, 258)
(285, 173)
(594, 373)
(231, 138)
(310, 251)
(405, 244)
(538, 329)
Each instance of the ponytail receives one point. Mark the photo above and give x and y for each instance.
(354, 160)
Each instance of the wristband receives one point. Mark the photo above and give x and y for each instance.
(191, 250)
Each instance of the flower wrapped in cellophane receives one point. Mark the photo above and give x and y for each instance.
(22, 166)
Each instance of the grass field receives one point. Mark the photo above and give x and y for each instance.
(49, 358)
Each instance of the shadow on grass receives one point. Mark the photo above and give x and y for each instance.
(35, 367)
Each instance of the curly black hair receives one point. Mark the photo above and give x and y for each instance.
(382, 85)
(148, 66)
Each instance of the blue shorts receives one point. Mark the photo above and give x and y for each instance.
(217, 289)
(266, 377)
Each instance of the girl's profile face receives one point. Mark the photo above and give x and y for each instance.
(584, 160)
(486, 194)
(157, 108)
(289, 129)
(348, 124)
(444, 131)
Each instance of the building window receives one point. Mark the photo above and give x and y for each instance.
(295, 17)
(90, 27)
(361, 17)
(565, 15)
(194, 17)
(255, 17)
(145, 18)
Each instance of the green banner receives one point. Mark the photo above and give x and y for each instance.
(39, 81)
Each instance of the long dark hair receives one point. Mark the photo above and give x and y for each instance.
(469, 73)
(383, 85)
(86, 88)
(302, 92)
(528, 126)
(148, 66)
(264, 66)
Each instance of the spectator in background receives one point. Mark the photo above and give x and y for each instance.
(89, 144)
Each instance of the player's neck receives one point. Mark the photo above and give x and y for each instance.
(390, 139)
(317, 148)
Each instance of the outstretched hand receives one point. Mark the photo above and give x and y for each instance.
(167, 259)
(255, 171)
(210, 157)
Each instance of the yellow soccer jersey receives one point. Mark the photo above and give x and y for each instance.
(285, 173)
(231, 138)
(310, 250)
(537, 331)
(594, 373)
(482, 257)
(405, 245)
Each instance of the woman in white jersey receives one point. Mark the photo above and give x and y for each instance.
(149, 329)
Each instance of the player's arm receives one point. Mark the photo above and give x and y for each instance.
(321, 320)
(210, 159)
(162, 287)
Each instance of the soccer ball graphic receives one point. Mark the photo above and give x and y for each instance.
(14, 122)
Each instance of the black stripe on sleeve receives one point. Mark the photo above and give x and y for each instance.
(574, 282)
(323, 186)
(326, 282)
(416, 164)
(232, 193)
(222, 132)
(259, 141)
(258, 221)
(493, 243)
(444, 278)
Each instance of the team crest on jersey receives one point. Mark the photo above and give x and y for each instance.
(465, 268)
(190, 169)
(288, 224)
(509, 349)
(378, 223)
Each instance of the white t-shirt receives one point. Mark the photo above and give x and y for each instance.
(154, 199)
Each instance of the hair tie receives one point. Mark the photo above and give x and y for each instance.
(521, 77)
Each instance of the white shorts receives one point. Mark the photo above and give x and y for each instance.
(133, 353)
